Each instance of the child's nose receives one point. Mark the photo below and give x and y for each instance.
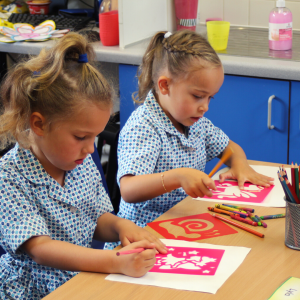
(89, 148)
(204, 106)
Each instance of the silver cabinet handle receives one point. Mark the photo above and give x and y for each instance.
(270, 112)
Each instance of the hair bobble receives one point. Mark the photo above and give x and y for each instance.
(167, 34)
(36, 74)
(83, 58)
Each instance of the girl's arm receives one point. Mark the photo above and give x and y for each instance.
(66, 256)
(141, 188)
(240, 169)
(111, 228)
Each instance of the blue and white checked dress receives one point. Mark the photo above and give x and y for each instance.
(149, 143)
(32, 203)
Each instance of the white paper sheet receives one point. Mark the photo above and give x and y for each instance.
(231, 260)
(275, 197)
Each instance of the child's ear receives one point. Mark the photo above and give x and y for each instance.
(37, 123)
(163, 83)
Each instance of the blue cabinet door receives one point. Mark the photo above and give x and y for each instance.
(240, 109)
(294, 144)
(128, 84)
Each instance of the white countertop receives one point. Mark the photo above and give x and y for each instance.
(233, 65)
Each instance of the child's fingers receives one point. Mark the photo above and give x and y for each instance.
(149, 254)
(125, 242)
(224, 176)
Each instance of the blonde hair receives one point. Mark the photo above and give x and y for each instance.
(55, 84)
(177, 54)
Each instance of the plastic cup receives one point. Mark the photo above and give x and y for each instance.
(38, 8)
(109, 28)
(217, 34)
(186, 14)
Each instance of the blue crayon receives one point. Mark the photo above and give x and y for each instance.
(273, 216)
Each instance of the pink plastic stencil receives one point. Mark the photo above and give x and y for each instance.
(192, 228)
(229, 190)
(188, 261)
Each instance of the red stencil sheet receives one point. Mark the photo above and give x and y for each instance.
(192, 228)
(188, 261)
(229, 190)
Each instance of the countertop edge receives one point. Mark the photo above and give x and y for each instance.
(233, 65)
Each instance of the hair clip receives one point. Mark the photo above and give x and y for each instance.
(83, 58)
(167, 34)
(36, 73)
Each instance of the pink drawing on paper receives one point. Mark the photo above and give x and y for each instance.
(189, 261)
(229, 190)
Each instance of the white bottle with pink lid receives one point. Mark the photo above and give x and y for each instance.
(280, 27)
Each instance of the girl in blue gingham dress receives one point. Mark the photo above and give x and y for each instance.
(52, 199)
(166, 142)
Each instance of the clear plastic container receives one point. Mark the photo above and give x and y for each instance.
(280, 27)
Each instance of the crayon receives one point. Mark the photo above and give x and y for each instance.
(263, 224)
(256, 219)
(137, 250)
(296, 170)
(226, 155)
(292, 191)
(273, 216)
(284, 190)
(239, 207)
(242, 215)
(252, 217)
(239, 225)
(229, 208)
(220, 211)
(250, 222)
(290, 195)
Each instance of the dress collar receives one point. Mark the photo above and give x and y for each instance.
(160, 119)
(30, 167)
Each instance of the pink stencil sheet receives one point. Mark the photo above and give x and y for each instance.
(229, 190)
(192, 228)
(190, 261)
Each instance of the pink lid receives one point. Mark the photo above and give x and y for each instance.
(213, 19)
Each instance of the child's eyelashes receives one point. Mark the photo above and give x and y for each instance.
(79, 138)
(203, 97)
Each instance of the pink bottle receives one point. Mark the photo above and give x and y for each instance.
(280, 27)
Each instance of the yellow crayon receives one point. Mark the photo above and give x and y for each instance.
(229, 208)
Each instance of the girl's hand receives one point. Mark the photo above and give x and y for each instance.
(195, 183)
(136, 264)
(130, 232)
(243, 173)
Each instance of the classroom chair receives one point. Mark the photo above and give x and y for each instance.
(110, 136)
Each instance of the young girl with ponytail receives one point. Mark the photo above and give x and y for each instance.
(52, 200)
(165, 144)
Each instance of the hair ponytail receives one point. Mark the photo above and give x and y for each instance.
(145, 71)
(54, 83)
(180, 53)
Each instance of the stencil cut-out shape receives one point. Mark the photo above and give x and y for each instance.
(190, 261)
(229, 190)
(192, 228)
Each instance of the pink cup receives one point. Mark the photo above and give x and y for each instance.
(186, 14)
(109, 28)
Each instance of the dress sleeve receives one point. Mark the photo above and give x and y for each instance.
(138, 150)
(215, 140)
(20, 219)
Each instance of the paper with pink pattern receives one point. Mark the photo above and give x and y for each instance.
(191, 261)
(190, 266)
(229, 190)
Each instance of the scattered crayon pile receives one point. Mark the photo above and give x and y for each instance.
(240, 214)
(291, 189)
